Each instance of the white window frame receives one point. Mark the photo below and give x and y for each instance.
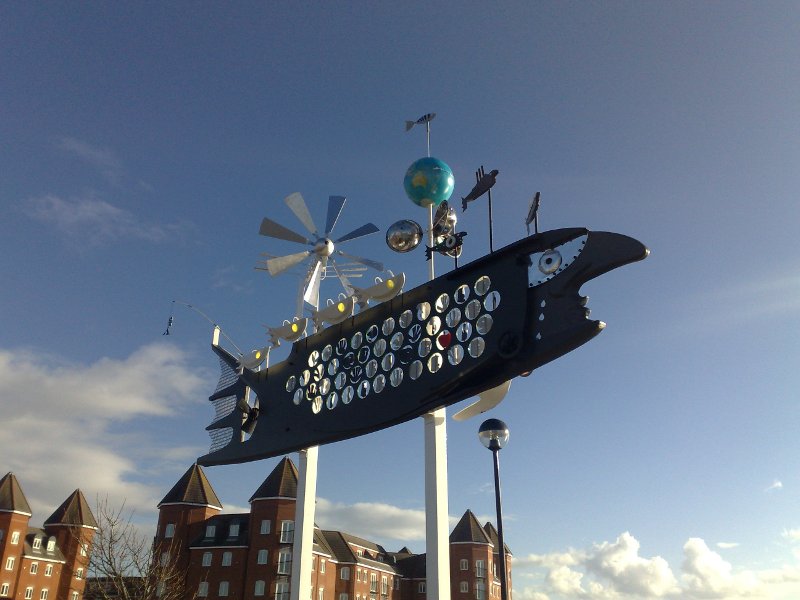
(34, 568)
(224, 588)
(344, 596)
(263, 557)
(233, 530)
(169, 530)
(37, 543)
(202, 589)
(287, 532)
(227, 558)
(480, 569)
(51, 545)
(421, 587)
(373, 582)
(4, 588)
(15, 537)
(322, 562)
(321, 594)
(464, 587)
(480, 590)
(75, 595)
(48, 570)
(84, 550)
(206, 560)
(79, 572)
(464, 564)
(281, 590)
(260, 588)
(43, 594)
(344, 574)
(28, 593)
(266, 525)
(10, 563)
(211, 531)
(284, 562)
(384, 585)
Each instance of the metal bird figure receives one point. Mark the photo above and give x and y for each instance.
(421, 121)
(483, 185)
(450, 245)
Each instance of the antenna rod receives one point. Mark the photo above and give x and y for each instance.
(428, 132)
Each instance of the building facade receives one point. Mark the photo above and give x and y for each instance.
(48, 563)
(249, 555)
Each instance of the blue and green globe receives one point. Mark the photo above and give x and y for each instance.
(429, 182)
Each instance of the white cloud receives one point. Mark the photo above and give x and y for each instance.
(707, 575)
(103, 159)
(68, 425)
(727, 545)
(774, 486)
(96, 221)
(792, 534)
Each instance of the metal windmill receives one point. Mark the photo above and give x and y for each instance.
(323, 250)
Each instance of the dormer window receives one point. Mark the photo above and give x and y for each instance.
(37, 543)
(169, 530)
(233, 530)
(51, 544)
(211, 530)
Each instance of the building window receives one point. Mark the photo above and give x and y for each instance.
(480, 570)
(384, 586)
(287, 532)
(84, 551)
(202, 589)
(4, 590)
(284, 562)
(79, 572)
(226, 559)
(281, 591)
(74, 595)
(51, 544)
(169, 530)
(206, 559)
(480, 590)
(464, 587)
(233, 530)
(421, 587)
(344, 574)
(1, 535)
(164, 559)
(48, 570)
(10, 563)
(262, 557)
(358, 574)
(322, 565)
(397, 583)
(37, 543)
(28, 593)
(265, 526)
(34, 568)
(211, 530)
(15, 537)
(343, 596)
(464, 564)
(43, 595)
(223, 589)
(373, 582)
(260, 587)
(321, 594)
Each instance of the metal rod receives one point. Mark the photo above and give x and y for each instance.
(428, 132)
(499, 507)
(491, 223)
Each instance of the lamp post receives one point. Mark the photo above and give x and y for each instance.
(493, 434)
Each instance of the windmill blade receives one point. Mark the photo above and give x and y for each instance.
(311, 294)
(348, 287)
(276, 266)
(272, 229)
(298, 206)
(335, 205)
(364, 261)
(357, 233)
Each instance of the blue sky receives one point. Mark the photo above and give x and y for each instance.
(143, 144)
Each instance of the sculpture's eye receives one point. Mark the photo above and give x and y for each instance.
(549, 262)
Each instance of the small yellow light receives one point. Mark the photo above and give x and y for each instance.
(341, 306)
(390, 284)
(258, 353)
(294, 327)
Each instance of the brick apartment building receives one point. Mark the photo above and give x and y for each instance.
(43, 564)
(249, 555)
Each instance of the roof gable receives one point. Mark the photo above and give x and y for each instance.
(281, 483)
(469, 529)
(192, 488)
(73, 511)
(11, 497)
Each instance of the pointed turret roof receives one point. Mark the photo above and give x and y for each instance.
(281, 483)
(11, 497)
(73, 511)
(493, 535)
(193, 488)
(469, 529)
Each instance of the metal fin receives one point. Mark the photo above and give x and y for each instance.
(357, 233)
(487, 400)
(275, 266)
(298, 206)
(364, 261)
(335, 205)
(272, 229)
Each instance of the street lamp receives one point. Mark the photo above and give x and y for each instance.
(493, 434)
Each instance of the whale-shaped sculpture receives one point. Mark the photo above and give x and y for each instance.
(465, 332)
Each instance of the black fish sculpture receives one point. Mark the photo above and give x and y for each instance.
(450, 245)
(465, 332)
(483, 184)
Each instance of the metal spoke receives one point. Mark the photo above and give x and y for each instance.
(298, 206)
(357, 233)
(364, 261)
(272, 229)
(335, 205)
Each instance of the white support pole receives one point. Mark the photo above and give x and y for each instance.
(304, 524)
(437, 543)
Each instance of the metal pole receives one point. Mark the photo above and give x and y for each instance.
(491, 224)
(502, 550)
